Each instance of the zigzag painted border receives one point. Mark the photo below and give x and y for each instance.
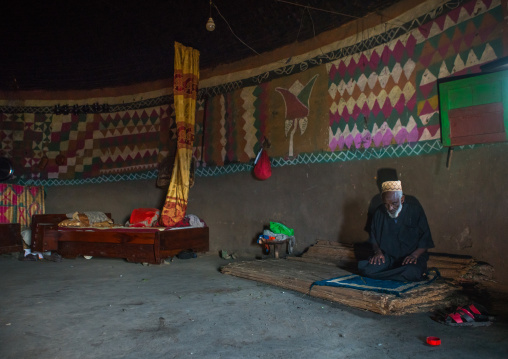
(48, 110)
(427, 147)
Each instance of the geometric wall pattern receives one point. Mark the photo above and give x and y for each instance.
(234, 124)
(84, 145)
(388, 95)
(379, 100)
(420, 148)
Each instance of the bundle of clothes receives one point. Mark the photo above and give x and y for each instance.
(87, 219)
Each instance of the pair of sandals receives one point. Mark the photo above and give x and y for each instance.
(469, 316)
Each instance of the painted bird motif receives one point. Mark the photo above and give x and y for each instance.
(296, 99)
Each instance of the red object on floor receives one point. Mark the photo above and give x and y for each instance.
(433, 341)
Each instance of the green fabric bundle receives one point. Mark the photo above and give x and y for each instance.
(279, 228)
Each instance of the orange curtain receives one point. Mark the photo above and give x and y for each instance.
(185, 87)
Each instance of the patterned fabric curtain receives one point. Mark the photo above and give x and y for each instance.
(185, 89)
(19, 203)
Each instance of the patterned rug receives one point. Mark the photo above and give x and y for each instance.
(355, 281)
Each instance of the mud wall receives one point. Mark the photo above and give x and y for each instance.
(464, 204)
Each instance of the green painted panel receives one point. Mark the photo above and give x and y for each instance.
(480, 89)
(487, 93)
(460, 97)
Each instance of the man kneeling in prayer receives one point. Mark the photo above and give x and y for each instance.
(400, 236)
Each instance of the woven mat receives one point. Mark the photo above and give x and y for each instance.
(355, 281)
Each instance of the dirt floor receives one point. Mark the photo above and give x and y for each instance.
(109, 308)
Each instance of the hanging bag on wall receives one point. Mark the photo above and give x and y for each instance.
(262, 166)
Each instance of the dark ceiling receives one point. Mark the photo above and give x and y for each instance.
(71, 44)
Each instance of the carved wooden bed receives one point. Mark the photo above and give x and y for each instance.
(140, 245)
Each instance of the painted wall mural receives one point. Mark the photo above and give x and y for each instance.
(384, 94)
(388, 95)
(296, 101)
(128, 142)
(370, 96)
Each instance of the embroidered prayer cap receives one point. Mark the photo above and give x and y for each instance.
(391, 186)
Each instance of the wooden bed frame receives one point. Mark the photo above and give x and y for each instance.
(140, 245)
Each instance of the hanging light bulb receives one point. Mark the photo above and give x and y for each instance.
(210, 25)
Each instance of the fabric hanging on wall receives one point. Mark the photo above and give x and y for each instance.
(19, 203)
(185, 88)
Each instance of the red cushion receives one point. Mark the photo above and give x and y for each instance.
(144, 217)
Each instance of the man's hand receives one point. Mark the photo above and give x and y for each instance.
(409, 259)
(413, 257)
(378, 258)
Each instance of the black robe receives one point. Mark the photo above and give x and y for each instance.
(398, 238)
(401, 236)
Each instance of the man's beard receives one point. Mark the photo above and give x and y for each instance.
(397, 212)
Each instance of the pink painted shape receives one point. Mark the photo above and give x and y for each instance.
(454, 14)
(470, 6)
(440, 21)
(367, 139)
(426, 109)
(345, 115)
(410, 46)
(348, 141)
(401, 104)
(334, 117)
(374, 60)
(387, 108)
(356, 112)
(398, 51)
(385, 55)
(425, 29)
(413, 135)
(333, 72)
(411, 103)
(427, 88)
(378, 138)
(333, 144)
(487, 3)
(363, 62)
(342, 69)
(365, 110)
(401, 136)
(341, 143)
(387, 138)
(433, 129)
(376, 109)
(358, 141)
(351, 68)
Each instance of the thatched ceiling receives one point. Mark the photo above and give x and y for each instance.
(70, 44)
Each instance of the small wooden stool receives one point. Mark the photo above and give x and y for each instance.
(276, 247)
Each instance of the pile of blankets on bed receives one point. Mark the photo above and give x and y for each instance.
(87, 219)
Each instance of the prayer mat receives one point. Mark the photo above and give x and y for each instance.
(355, 281)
